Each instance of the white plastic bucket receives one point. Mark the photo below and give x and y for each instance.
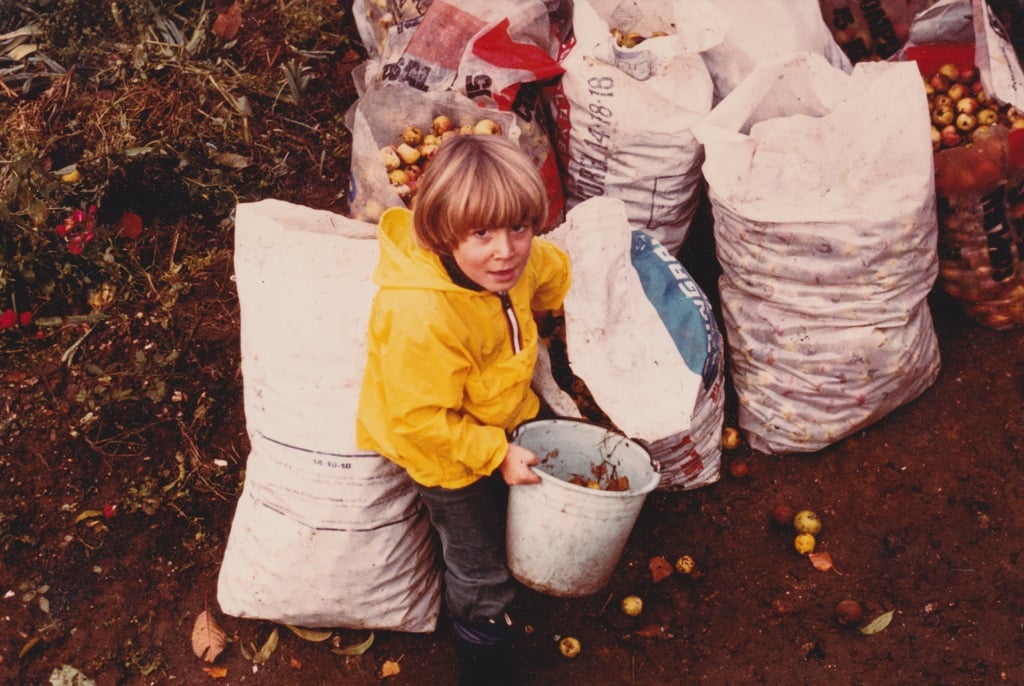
(565, 539)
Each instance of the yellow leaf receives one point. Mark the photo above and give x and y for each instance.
(877, 624)
(217, 672)
(356, 648)
(208, 639)
(390, 668)
(268, 648)
(29, 645)
(310, 634)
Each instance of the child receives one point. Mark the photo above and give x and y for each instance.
(451, 350)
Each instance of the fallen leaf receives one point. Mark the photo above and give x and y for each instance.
(390, 668)
(29, 645)
(295, 663)
(355, 648)
(268, 648)
(217, 672)
(821, 561)
(877, 624)
(660, 568)
(654, 631)
(208, 639)
(310, 634)
(129, 226)
(227, 23)
(88, 514)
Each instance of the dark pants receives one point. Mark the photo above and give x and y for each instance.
(470, 522)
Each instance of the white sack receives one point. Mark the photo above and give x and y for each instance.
(764, 30)
(324, 534)
(641, 335)
(825, 226)
(623, 115)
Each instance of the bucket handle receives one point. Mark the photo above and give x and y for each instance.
(655, 465)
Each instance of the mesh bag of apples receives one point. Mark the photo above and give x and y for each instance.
(979, 181)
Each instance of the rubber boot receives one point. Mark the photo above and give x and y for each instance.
(485, 665)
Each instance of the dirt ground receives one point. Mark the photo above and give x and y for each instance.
(112, 529)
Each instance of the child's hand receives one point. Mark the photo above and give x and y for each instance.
(515, 468)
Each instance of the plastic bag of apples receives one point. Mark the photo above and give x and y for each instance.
(979, 180)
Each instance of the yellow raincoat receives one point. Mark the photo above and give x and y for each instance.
(442, 384)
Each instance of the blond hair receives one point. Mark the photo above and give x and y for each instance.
(476, 181)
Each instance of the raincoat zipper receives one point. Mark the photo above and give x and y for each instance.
(513, 322)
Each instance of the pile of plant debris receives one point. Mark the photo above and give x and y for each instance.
(131, 129)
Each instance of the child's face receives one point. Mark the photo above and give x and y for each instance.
(495, 258)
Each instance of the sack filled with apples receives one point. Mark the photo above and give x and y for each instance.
(634, 85)
(498, 55)
(395, 131)
(979, 178)
(825, 229)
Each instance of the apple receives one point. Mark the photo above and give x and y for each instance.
(428, 150)
(936, 138)
(979, 133)
(413, 171)
(782, 514)
(849, 612)
(738, 468)
(987, 117)
(950, 136)
(407, 153)
(487, 127)
(398, 177)
(685, 564)
(942, 100)
(569, 647)
(404, 191)
(441, 123)
(632, 39)
(943, 116)
(957, 91)
(632, 605)
(939, 82)
(806, 522)
(390, 157)
(412, 135)
(966, 122)
(804, 543)
(950, 71)
(968, 105)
